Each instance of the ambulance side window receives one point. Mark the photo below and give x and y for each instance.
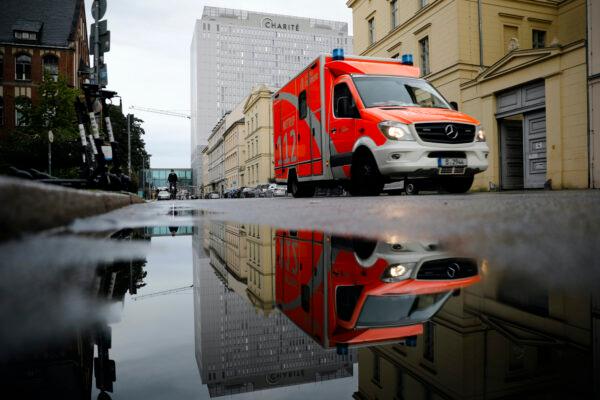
(302, 108)
(343, 102)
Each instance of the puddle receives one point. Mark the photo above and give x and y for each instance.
(216, 309)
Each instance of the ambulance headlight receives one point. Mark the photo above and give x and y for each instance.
(398, 272)
(479, 134)
(395, 130)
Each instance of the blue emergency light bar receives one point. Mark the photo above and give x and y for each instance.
(338, 54)
(407, 59)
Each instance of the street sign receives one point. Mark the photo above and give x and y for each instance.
(105, 43)
(98, 9)
(103, 75)
(103, 31)
(107, 151)
(102, 27)
(50, 137)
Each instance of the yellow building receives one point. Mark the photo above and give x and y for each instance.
(259, 137)
(518, 66)
(234, 147)
(261, 266)
(236, 248)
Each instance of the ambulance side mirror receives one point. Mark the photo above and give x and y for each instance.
(454, 105)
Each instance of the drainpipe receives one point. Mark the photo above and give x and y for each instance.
(480, 26)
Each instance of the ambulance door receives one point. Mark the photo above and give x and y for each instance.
(314, 118)
(342, 127)
(302, 134)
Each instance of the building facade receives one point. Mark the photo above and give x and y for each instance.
(258, 112)
(38, 37)
(517, 66)
(594, 89)
(198, 177)
(234, 50)
(205, 174)
(215, 153)
(235, 152)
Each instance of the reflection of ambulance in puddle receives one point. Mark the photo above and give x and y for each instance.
(343, 291)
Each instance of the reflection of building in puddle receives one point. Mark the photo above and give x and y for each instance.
(507, 337)
(240, 345)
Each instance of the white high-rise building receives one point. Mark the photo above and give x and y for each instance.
(235, 50)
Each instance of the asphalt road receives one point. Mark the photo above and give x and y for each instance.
(547, 231)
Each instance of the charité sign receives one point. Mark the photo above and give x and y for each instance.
(269, 23)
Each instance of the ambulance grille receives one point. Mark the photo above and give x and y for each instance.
(444, 132)
(452, 170)
(448, 268)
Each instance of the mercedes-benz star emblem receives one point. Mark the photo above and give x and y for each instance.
(452, 270)
(451, 131)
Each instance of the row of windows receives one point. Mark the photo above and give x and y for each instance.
(394, 20)
(511, 35)
(23, 66)
(538, 37)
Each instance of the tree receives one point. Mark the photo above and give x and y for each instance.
(27, 147)
(54, 110)
(138, 146)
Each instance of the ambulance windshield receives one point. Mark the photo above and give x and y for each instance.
(396, 91)
(380, 311)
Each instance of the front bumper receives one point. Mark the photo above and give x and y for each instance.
(400, 160)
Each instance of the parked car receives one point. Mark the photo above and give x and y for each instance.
(249, 192)
(214, 195)
(279, 191)
(163, 195)
(263, 190)
(236, 193)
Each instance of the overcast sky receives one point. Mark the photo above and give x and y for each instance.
(150, 56)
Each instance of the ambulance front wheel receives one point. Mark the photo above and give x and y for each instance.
(365, 177)
(299, 189)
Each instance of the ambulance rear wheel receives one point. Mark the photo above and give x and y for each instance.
(299, 189)
(411, 188)
(366, 179)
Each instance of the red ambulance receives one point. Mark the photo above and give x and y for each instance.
(347, 292)
(364, 122)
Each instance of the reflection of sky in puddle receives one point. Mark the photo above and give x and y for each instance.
(243, 328)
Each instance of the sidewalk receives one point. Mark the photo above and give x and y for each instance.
(31, 206)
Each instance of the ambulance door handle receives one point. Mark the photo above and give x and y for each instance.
(333, 130)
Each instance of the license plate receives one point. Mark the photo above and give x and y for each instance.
(452, 162)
